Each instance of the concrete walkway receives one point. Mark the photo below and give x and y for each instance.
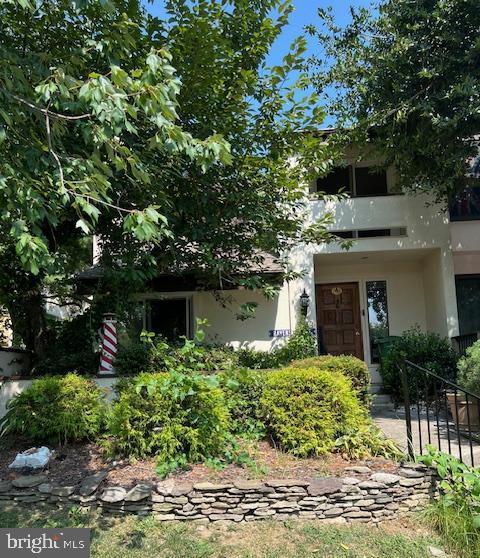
(392, 422)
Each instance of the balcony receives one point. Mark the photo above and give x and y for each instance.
(375, 212)
(400, 221)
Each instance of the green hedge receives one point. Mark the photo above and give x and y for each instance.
(178, 418)
(306, 410)
(56, 409)
(349, 366)
(469, 369)
(243, 391)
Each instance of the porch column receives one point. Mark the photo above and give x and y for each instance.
(301, 260)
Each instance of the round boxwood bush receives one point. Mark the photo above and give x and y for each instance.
(306, 410)
(56, 409)
(350, 366)
(179, 418)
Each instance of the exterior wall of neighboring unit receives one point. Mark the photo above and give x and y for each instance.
(465, 237)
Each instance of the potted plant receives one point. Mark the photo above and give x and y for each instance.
(465, 412)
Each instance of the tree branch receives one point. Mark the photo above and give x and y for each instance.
(52, 151)
(47, 112)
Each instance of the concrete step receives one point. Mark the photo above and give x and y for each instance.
(381, 400)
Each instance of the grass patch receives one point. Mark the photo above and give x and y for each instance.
(456, 523)
(133, 537)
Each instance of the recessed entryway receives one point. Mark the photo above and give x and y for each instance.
(339, 319)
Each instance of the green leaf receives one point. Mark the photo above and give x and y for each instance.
(83, 225)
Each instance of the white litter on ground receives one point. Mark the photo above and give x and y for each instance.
(35, 458)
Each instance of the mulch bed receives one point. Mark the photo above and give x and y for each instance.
(72, 463)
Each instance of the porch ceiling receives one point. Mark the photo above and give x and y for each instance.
(371, 257)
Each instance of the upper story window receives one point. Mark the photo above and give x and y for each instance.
(466, 206)
(358, 181)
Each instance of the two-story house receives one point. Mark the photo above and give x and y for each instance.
(411, 262)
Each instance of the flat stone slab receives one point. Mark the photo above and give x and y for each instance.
(91, 483)
(248, 484)
(138, 492)
(385, 478)
(170, 488)
(371, 485)
(411, 473)
(361, 470)
(62, 490)
(210, 487)
(321, 487)
(27, 481)
(5, 485)
(113, 494)
(286, 483)
(45, 488)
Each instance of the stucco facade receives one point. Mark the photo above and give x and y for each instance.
(416, 264)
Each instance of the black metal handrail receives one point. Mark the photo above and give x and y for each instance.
(451, 410)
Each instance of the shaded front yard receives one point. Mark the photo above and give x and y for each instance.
(133, 537)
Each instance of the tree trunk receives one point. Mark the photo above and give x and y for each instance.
(29, 323)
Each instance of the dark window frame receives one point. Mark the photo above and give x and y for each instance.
(458, 278)
(352, 185)
(187, 299)
(374, 354)
(466, 205)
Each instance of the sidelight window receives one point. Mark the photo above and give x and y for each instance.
(377, 306)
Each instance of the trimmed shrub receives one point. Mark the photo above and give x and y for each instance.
(306, 410)
(350, 366)
(57, 409)
(179, 418)
(430, 350)
(243, 391)
(469, 369)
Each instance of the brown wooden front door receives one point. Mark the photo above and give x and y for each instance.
(338, 319)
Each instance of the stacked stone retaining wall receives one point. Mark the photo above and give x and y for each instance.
(364, 496)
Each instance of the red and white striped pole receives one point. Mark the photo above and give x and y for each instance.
(109, 344)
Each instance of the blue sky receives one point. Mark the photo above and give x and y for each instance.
(305, 13)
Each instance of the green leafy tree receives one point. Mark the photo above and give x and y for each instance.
(88, 116)
(224, 220)
(405, 80)
(201, 168)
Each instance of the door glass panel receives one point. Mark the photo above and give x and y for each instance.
(168, 318)
(377, 315)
